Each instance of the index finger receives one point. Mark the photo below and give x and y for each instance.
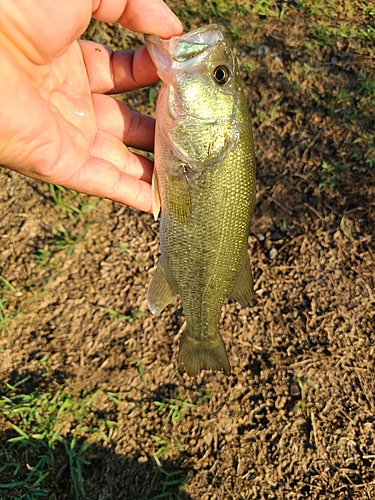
(115, 72)
(152, 17)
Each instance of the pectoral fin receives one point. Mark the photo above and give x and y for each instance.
(155, 195)
(242, 290)
(179, 197)
(161, 291)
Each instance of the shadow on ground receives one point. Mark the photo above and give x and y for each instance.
(101, 474)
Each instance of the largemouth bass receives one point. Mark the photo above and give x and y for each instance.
(204, 185)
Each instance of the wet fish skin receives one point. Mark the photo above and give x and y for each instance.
(204, 181)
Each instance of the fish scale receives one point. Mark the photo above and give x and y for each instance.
(205, 181)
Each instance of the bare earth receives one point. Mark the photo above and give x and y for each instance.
(296, 419)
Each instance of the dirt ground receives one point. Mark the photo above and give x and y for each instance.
(296, 418)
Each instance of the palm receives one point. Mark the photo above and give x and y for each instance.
(68, 105)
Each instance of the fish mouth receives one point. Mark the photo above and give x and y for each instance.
(180, 50)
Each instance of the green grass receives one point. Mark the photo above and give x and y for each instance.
(173, 408)
(51, 432)
(266, 8)
(61, 240)
(74, 205)
(366, 84)
(74, 211)
(367, 152)
(119, 317)
(303, 385)
(204, 396)
(327, 35)
(141, 371)
(170, 483)
(266, 117)
(67, 240)
(230, 14)
(330, 174)
(8, 311)
(164, 447)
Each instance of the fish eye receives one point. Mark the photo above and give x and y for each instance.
(221, 74)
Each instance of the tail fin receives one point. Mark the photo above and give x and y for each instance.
(206, 354)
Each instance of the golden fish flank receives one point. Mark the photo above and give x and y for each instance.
(204, 184)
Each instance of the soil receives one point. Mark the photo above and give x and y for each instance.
(296, 418)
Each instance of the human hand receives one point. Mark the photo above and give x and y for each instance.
(57, 123)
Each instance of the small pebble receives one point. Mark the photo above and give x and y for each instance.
(295, 391)
(142, 460)
(273, 253)
(261, 237)
(262, 50)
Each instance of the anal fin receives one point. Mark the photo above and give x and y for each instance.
(242, 290)
(161, 291)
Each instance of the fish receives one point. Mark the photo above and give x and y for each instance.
(203, 186)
